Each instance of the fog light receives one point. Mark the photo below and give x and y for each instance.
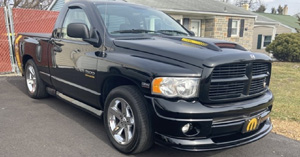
(191, 129)
(187, 127)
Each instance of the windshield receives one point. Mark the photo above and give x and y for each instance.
(122, 20)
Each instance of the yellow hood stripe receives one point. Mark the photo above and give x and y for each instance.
(194, 42)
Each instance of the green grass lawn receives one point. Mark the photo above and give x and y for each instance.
(285, 85)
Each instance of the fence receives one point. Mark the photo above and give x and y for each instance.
(5, 63)
(21, 21)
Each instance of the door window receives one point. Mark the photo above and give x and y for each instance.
(76, 15)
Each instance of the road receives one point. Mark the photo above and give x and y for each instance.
(52, 127)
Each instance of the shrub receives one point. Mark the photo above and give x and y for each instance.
(286, 47)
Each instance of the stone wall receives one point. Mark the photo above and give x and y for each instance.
(209, 28)
(221, 29)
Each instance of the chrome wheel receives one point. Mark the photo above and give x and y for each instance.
(121, 121)
(31, 79)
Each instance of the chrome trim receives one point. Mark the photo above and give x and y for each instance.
(75, 85)
(240, 119)
(79, 104)
(45, 73)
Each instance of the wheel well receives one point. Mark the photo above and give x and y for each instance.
(24, 60)
(111, 83)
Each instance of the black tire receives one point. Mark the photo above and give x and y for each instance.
(31, 73)
(142, 137)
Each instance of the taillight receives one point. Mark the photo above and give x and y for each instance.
(17, 53)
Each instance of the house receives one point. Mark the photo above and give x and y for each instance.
(268, 26)
(211, 19)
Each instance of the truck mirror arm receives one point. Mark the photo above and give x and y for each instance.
(96, 41)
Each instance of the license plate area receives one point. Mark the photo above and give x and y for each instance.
(251, 124)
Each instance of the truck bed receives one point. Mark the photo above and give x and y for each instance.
(41, 35)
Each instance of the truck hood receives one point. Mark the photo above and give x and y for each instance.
(191, 50)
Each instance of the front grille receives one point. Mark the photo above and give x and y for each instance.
(229, 71)
(260, 68)
(257, 86)
(238, 80)
(221, 90)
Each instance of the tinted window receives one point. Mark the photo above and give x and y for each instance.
(119, 17)
(76, 15)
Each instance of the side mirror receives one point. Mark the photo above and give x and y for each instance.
(78, 30)
(192, 33)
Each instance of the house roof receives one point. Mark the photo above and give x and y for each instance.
(263, 19)
(212, 7)
(284, 19)
(200, 6)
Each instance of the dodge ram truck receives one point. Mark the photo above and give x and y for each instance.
(151, 78)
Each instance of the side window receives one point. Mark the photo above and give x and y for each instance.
(76, 15)
(267, 41)
(235, 28)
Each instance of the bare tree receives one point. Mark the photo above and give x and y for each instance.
(274, 11)
(32, 4)
(280, 10)
(253, 4)
(262, 8)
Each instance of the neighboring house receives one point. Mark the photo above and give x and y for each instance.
(287, 20)
(265, 31)
(268, 26)
(211, 19)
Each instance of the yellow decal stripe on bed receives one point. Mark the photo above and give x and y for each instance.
(194, 42)
(17, 53)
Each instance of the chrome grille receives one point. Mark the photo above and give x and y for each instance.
(229, 71)
(238, 80)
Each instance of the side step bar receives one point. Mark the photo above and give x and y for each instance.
(75, 102)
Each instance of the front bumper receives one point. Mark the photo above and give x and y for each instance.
(220, 126)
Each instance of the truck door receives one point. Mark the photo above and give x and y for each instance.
(74, 62)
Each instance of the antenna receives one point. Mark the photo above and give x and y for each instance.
(104, 33)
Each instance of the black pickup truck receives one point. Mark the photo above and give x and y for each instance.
(153, 80)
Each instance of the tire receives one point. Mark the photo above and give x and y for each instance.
(126, 115)
(35, 86)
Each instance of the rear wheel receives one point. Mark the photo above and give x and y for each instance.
(127, 120)
(35, 86)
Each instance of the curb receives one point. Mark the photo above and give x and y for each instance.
(9, 74)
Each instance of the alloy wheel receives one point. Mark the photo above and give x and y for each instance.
(121, 121)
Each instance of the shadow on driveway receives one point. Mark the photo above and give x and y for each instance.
(95, 126)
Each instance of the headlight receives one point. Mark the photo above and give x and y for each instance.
(176, 87)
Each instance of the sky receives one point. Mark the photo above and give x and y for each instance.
(293, 5)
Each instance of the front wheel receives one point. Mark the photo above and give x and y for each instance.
(127, 120)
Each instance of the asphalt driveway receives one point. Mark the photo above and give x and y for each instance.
(52, 127)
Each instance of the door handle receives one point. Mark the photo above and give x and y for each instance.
(57, 49)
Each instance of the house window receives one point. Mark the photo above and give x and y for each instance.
(235, 28)
(267, 41)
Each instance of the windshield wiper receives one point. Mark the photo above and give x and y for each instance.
(167, 32)
(133, 31)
